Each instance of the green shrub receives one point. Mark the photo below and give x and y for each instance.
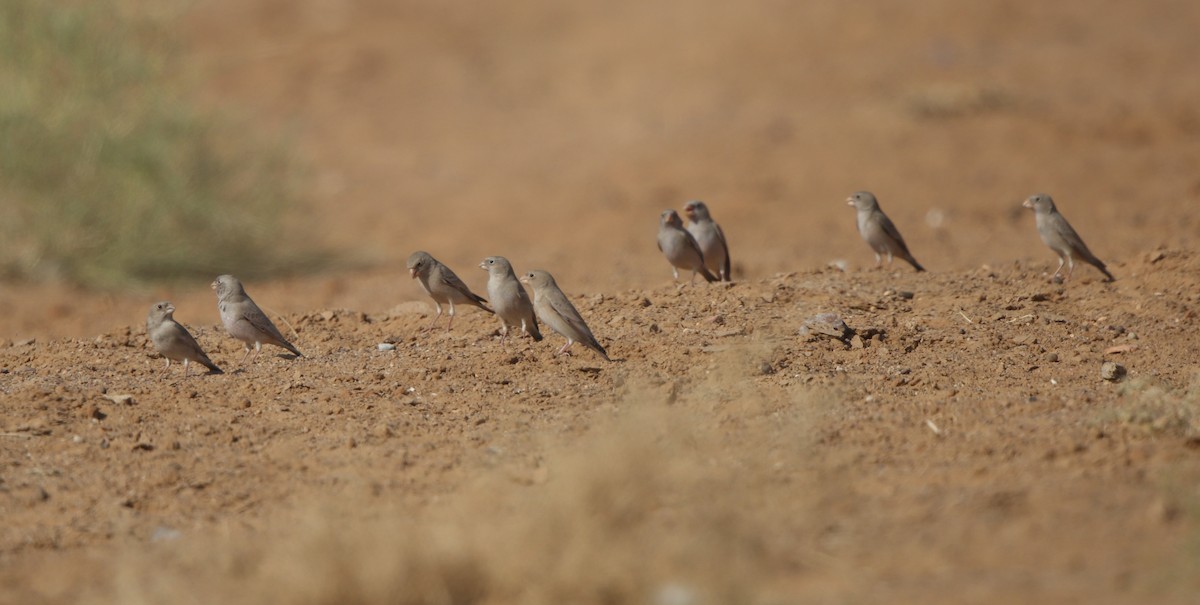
(108, 173)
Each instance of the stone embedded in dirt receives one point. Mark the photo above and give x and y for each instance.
(119, 399)
(1052, 357)
(386, 346)
(765, 368)
(826, 325)
(1112, 371)
(856, 342)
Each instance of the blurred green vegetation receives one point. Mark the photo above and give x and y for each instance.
(109, 174)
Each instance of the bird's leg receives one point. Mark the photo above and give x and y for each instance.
(693, 277)
(878, 260)
(257, 350)
(243, 361)
(451, 321)
(436, 316)
(1062, 260)
(1070, 267)
(675, 272)
(889, 258)
(185, 367)
(563, 350)
(166, 367)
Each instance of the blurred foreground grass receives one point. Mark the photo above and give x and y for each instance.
(109, 174)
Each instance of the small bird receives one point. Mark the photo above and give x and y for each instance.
(878, 231)
(442, 285)
(1057, 233)
(680, 247)
(173, 340)
(244, 320)
(556, 311)
(710, 237)
(509, 299)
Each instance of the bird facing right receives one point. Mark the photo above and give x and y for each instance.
(680, 247)
(556, 311)
(710, 237)
(878, 231)
(244, 320)
(509, 299)
(173, 341)
(1057, 233)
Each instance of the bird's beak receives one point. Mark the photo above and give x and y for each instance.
(524, 280)
(213, 285)
(412, 273)
(483, 266)
(849, 201)
(170, 308)
(1027, 204)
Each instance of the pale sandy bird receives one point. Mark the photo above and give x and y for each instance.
(244, 320)
(878, 231)
(711, 238)
(509, 299)
(556, 311)
(442, 285)
(1057, 233)
(173, 341)
(680, 247)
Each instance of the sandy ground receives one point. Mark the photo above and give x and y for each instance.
(965, 449)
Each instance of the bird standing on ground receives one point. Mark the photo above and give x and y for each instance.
(710, 237)
(1057, 233)
(173, 341)
(556, 311)
(509, 299)
(442, 285)
(244, 320)
(680, 247)
(878, 231)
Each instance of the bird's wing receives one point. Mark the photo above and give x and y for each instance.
(885, 223)
(570, 314)
(725, 247)
(260, 321)
(452, 280)
(185, 338)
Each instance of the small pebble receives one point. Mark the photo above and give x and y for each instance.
(1112, 371)
(385, 346)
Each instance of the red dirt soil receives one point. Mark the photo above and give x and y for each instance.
(964, 449)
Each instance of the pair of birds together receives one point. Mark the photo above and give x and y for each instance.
(878, 231)
(700, 248)
(241, 316)
(510, 303)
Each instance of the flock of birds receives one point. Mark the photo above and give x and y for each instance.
(700, 248)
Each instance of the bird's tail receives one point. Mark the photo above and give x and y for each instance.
(206, 362)
(708, 276)
(912, 261)
(593, 344)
